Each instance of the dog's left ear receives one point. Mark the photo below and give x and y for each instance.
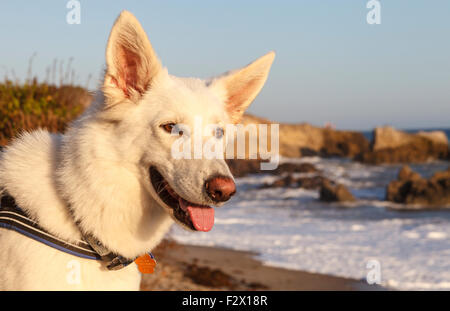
(239, 88)
(130, 59)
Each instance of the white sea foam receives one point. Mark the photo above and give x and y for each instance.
(291, 228)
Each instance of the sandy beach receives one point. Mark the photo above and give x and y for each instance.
(189, 268)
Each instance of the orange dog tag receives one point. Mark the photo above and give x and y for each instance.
(145, 263)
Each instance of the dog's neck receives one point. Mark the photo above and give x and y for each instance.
(106, 196)
(27, 172)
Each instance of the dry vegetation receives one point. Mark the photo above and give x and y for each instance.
(32, 105)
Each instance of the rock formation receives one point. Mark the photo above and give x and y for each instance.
(411, 188)
(394, 146)
(335, 193)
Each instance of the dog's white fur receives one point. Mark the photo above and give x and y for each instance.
(100, 166)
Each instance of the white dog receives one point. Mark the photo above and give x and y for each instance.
(112, 177)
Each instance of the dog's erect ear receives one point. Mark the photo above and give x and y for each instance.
(240, 87)
(130, 59)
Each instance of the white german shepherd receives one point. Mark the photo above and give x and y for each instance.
(112, 174)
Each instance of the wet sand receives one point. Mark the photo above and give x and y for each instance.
(188, 267)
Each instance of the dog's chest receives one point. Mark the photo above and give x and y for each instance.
(30, 265)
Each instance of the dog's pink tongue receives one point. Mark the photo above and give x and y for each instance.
(202, 217)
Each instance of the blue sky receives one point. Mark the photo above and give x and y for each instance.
(330, 66)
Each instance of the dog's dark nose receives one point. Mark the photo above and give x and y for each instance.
(220, 188)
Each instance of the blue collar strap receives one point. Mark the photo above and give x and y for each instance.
(14, 218)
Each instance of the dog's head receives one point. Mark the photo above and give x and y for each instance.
(156, 110)
(119, 156)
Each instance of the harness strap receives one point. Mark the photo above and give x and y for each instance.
(12, 217)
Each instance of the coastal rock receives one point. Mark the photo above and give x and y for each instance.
(314, 182)
(394, 146)
(411, 188)
(209, 277)
(297, 140)
(406, 173)
(242, 167)
(389, 145)
(343, 143)
(335, 193)
(438, 137)
(442, 175)
(287, 181)
(389, 137)
(294, 168)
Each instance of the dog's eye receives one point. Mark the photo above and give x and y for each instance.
(168, 127)
(218, 132)
(171, 127)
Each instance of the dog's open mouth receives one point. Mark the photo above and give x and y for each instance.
(194, 216)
